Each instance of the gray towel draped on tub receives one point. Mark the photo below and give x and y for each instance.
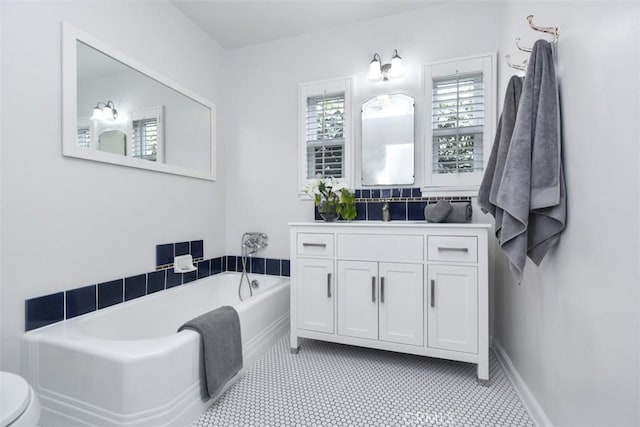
(222, 345)
(528, 195)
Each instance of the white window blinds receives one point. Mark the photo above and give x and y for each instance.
(145, 138)
(84, 137)
(458, 107)
(325, 135)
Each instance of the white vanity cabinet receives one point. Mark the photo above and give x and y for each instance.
(415, 288)
(315, 270)
(452, 280)
(380, 301)
(453, 308)
(316, 300)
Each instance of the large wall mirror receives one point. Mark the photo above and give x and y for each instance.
(118, 111)
(388, 140)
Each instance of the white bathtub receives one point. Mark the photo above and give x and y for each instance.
(126, 365)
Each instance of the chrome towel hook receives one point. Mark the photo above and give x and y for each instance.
(521, 67)
(549, 30)
(522, 48)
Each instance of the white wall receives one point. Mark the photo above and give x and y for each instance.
(69, 222)
(571, 327)
(2, 124)
(263, 87)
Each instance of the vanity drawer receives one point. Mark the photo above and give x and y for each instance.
(381, 247)
(452, 248)
(315, 244)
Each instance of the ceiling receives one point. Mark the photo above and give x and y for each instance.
(239, 23)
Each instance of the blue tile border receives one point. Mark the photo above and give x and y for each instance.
(197, 248)
(405, 204)
(217, 265)
(110, 293)
(204, 269)
(135, 287)
(391, 193)
(374, 211)
(181, 248)
(257, 265)
(48, 309)
(173, 279)
(189, 277)
(43, 311)
(415, 210)
(398, 211)
(285, 266)
(80, 301)
(273, 266)
(156, 281)
(232, 264)
(166, 252)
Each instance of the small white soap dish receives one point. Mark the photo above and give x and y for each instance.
(184, 264)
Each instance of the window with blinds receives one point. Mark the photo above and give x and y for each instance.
(145, 139)
(84, 137)
(325, 135)
(457, 112)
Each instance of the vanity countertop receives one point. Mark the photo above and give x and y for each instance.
(364, 224)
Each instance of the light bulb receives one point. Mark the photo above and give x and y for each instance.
(97, 113)
(107, 113)
(375, 74)
(397, 69)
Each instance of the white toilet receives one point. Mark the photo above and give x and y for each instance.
(19, 405)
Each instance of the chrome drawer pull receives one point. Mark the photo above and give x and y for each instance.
(373, 288)
(328, 285)
(433, 286)
(440, 248)
(317, 245)
(382, 289)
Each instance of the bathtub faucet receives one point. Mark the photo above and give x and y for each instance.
(252, 242)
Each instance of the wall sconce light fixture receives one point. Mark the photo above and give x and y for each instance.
(104, 111)
(378, 71)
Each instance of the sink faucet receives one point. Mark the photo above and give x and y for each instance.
(385, 211)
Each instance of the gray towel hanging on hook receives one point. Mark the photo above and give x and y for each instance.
(487, 195)
(532, 192)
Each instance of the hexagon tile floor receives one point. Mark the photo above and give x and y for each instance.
(329, 384)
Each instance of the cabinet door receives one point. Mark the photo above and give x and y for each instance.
(315, 294)
(401, 303)
(358, 299)
(452, 306)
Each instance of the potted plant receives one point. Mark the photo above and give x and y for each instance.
(333, 199)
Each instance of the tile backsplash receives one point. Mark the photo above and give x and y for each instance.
(405, 204)
(45, 310)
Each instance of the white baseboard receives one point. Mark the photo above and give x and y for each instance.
(535, 410)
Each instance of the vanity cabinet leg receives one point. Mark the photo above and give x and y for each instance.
(483, 369)
(293, 342)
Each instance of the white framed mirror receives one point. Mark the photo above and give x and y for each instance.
(116, 110)
(388, 140)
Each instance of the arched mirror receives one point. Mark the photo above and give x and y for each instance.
(113, 141)
(388, 140)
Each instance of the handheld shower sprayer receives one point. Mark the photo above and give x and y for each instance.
(251, 243)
